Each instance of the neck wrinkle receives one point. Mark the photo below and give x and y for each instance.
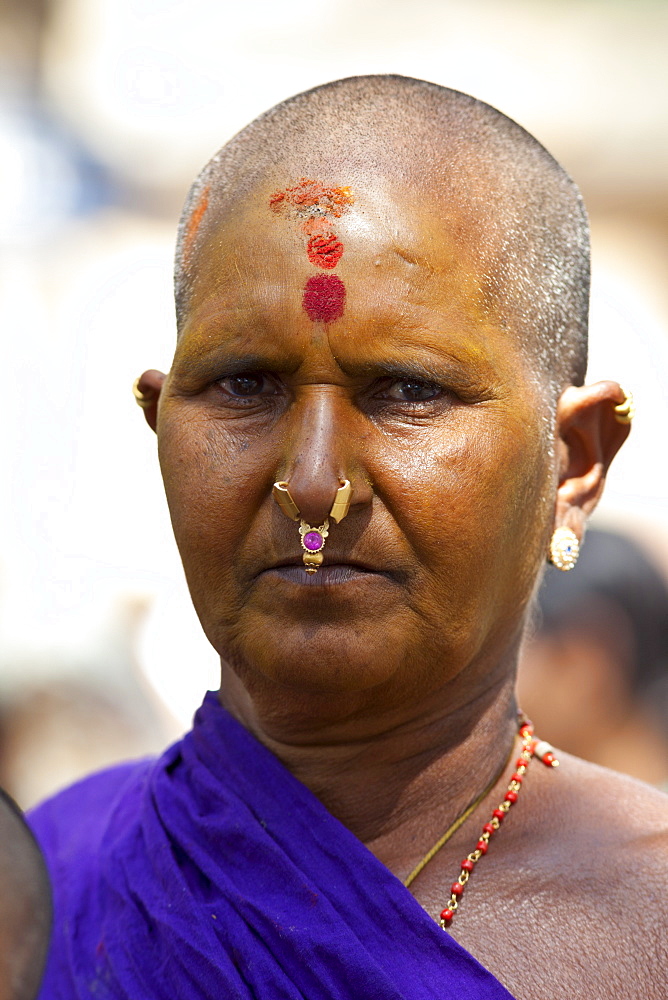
(398, 790)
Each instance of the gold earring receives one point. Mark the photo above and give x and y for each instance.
(626, 411)
(141, 398)
(564, 549)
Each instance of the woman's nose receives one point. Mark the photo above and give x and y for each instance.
(317, 461)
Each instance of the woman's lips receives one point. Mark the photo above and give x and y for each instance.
(329, 574)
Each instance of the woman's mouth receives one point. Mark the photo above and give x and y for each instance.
(328, 575)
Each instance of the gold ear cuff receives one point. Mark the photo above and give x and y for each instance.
(141, 398)
(626, 411)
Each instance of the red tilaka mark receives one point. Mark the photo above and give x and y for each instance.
(195, 221)
(314, 206)
(324, 251)
(324, 298)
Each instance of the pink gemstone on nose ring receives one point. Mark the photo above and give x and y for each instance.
(313, 542)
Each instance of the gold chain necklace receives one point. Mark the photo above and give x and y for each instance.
(531, 748)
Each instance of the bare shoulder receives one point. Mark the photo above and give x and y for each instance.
(610, 844)
(610, 813)
(586, 869)
(602, 860)
(627, 797)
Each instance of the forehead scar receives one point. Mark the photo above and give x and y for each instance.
(324, 298)
(195, 220)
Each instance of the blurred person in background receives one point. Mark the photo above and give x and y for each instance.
(594, 673)
(25, 907)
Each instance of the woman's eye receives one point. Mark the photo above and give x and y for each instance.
(411, 391)
(246, 385)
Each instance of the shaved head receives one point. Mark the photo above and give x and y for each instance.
(507, 204)
(25, 907)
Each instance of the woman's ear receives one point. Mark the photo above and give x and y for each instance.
(146, 391)
(590, 432)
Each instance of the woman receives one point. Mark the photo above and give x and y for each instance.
(373, 432)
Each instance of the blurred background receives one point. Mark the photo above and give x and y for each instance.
(108, 108)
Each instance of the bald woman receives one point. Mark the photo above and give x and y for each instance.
(374, 434)
(25, 907)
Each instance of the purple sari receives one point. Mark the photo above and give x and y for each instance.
(213, 873)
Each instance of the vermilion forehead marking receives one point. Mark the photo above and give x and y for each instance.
(324, 298)
(195, 220)
(324, 251)
(311, 198)
(314, 207)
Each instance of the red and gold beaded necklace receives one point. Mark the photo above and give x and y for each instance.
(531, 747)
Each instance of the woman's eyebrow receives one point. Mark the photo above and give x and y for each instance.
(231, 363)
(409, 368)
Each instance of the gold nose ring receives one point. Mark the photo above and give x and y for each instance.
(313, 539)
(341, 504)
(281, 495)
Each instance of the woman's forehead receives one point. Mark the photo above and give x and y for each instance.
(422, 216)
(326, 236)
(384, 271)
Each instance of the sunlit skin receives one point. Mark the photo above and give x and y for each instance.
(440, 483)
(384, 681)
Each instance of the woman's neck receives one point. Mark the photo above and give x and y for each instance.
(401, 782)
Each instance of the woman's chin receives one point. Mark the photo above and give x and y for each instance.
(315, 657)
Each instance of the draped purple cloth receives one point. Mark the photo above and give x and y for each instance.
(213, 873)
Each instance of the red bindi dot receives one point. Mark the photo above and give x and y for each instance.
(324, 298)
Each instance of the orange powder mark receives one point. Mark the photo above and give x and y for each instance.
(310, 201)
(318, 226)
(324, 251)
(195, 221)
